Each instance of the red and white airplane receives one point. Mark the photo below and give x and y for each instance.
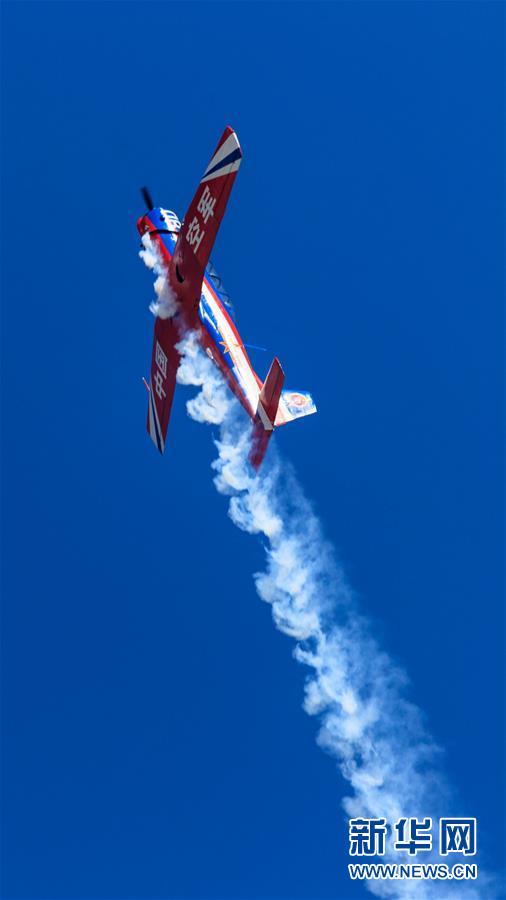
(203, 306)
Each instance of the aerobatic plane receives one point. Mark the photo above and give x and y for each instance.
(203, 306)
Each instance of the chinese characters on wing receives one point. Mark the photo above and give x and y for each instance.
(161, 371)
(196, 230)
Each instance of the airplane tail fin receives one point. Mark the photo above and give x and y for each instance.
(276, 407)
(268, 403)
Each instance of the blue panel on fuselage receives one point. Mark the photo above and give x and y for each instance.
(209, 322)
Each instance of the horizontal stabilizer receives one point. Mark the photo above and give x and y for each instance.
(294, 405)
(259, 442)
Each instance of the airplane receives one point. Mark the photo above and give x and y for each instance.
(202, 305)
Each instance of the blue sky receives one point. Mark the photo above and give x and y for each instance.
(154, 743)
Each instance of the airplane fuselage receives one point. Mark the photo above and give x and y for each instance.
(191, 298)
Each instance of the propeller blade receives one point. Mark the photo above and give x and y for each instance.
(147, 198)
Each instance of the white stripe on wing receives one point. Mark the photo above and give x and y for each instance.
(228, 147)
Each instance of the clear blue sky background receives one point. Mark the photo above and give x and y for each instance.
(154, 743)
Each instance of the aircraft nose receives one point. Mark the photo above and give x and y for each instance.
(143, 224)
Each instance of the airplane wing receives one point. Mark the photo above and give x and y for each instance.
(164, 366)
(203, 218)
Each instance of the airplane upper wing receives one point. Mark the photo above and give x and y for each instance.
(164, 366)
(203, 218)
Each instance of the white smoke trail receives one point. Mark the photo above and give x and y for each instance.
(165, 305)
(376, 735)
(211, 404)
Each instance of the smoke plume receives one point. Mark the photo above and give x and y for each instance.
(353, 688)
(165, 305)
(358, 695)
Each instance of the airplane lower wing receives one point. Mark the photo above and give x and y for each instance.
(164, 365)
(203, 218)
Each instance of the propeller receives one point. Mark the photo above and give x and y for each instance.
(147, 198)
